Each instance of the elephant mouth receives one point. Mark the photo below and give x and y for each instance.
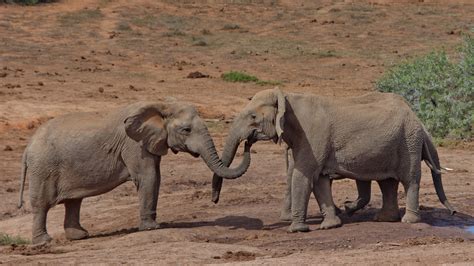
(256, 135)
(194, 154)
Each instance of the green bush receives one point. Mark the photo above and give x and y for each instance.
(440, 91)
(236, 76)
(12, 240)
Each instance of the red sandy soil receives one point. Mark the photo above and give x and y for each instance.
(93, 55)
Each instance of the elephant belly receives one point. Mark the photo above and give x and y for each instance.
(82, 184)
(369, 165)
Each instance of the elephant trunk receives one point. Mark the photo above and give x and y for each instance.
(230, 148)
(209, 155)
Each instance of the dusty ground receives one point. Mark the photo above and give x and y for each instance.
(92, 55)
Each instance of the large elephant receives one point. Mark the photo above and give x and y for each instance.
(373, 137)
(350, 207)
(390, 196)
(86, 154)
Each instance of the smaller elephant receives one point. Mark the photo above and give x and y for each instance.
(350, 207)
(81, 155)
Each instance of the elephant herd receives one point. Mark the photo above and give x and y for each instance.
(372, 137)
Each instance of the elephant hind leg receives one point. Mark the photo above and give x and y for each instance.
(389, 211)
(72, 226)
(363, 198)
(40, 234)
(412, 188)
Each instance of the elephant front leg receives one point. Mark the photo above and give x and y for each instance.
(72, 226)
(363, 198)
(300, 191)
(285, 214)
(322, 191)
(148, 190)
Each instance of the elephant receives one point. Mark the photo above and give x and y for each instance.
(371, 137)
(350, 207)
(80, 155)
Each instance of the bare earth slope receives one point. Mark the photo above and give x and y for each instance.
(92, 55)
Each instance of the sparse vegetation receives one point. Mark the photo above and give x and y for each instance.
(236, 76)
(12, 240)
(439, 90)
(79, 17)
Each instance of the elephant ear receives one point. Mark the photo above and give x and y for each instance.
(147, 125)
(280, 116)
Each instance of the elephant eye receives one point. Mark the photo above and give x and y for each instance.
(253, 116)
(186, 130)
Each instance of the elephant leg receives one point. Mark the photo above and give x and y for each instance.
(338, 211)
(300, 192)
(323, 194)
(148, 191)
(389, 211)
(72, 226)
(40, 235)
(285, 214)
(363, 198)
(412, 188)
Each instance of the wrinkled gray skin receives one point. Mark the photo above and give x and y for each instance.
(373, 137)
(390, 196)
(86, 154)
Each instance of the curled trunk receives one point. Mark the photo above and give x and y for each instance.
(230, 148)
(221, 169)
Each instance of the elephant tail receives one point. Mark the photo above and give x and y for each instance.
(24, 167)
(430, 156)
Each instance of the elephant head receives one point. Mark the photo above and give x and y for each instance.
(177, 126)
(261, 119)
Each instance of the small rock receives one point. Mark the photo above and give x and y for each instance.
(197, 75)
(3, 74)
(200, 43)
(101, 90)
(41, 83)
(10, 189)
(8, 148)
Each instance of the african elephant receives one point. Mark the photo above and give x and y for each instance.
(372, 137)
(350, 207)
(81, 155)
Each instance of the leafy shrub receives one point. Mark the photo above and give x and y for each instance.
(10, 240)
(236, 76)
(440, 91)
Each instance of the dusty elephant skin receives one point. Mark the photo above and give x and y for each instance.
(85, 154)
(372, 137)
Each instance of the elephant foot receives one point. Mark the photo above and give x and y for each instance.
(73, 233)
(148, 225)
(41, 239)
(330, 222)
(285, 216)
(298, 227)
(387, 216)
(411, 217)
(350, 207)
